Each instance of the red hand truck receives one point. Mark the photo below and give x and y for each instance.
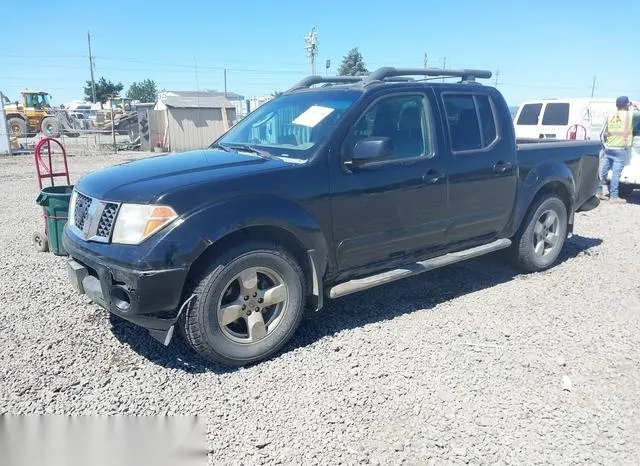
(45, 170)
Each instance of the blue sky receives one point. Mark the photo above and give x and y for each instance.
(542, 49)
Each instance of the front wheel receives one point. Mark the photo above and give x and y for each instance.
(249, 303)
(541, 238)
(50, 127)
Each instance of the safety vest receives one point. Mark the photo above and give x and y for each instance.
(620, 129)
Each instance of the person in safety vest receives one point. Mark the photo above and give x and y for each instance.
(617, 138)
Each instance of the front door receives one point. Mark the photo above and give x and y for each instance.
(392, 208)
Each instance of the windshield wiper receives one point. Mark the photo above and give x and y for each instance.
(220, 146)
(247, 148)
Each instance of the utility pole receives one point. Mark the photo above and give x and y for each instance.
(426, 61)
(113, 127)
(225, 82)
(593, 86)
(444, 65)
(93, 82)
(497, 74)
(311, 47)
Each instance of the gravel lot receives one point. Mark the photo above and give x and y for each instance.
(461, 365)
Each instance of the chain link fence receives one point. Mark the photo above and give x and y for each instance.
(82, 132)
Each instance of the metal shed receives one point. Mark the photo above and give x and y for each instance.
(185, 120)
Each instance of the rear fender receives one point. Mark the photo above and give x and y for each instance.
(549, 175)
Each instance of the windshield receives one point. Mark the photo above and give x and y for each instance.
(291, 125)
(37, 100)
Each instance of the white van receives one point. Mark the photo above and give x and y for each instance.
(577, 119)
(556, 118)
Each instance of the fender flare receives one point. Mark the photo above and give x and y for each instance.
(211, 223)
(17, 115)
(550, 173)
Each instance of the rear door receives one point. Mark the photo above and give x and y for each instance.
(483, 172)
(528, 120)
(555, 120)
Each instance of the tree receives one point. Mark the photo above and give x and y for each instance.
(353, 64)
(144, 91)
(104, 89)
(275, 94)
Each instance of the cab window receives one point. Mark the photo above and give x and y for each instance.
(403, 119)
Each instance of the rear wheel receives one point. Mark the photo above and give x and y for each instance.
(541, 238)
(250, 301)
(17, 127)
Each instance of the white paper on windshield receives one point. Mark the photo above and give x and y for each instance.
(312, 116)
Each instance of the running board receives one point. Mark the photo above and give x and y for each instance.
(361, 284)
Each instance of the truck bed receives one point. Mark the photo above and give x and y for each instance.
(582, 158)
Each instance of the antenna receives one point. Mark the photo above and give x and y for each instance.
(311, 41)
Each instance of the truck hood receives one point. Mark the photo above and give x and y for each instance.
(144, 181)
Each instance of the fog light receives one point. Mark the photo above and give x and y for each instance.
(120, 298)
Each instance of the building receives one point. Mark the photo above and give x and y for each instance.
(185, 120)
(238, 102)
(255, 102)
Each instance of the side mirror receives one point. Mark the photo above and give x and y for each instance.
(371, 149)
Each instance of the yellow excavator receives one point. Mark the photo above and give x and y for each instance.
(35, 114)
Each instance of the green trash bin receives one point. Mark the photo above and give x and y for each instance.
(55, 200)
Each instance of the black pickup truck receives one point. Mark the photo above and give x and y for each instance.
(338, 185)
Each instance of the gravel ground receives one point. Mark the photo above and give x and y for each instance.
(462, 365)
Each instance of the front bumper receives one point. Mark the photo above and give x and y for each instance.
(148, 298)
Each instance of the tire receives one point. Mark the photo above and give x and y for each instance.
(240, 280)
(625, 190)
(50, 127)
(17, 127)
(40, 242)
(530, 251)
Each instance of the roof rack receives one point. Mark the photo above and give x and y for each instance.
(311, 80)
(383, 74)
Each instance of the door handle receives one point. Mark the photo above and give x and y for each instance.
(502, 167)
(433, 176)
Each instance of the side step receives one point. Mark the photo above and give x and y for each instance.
(361, 284)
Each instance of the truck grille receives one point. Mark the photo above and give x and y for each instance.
(94, 219)
(107, 219)
(82, 210)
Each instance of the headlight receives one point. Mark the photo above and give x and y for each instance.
(136, 222)
(72, 207)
